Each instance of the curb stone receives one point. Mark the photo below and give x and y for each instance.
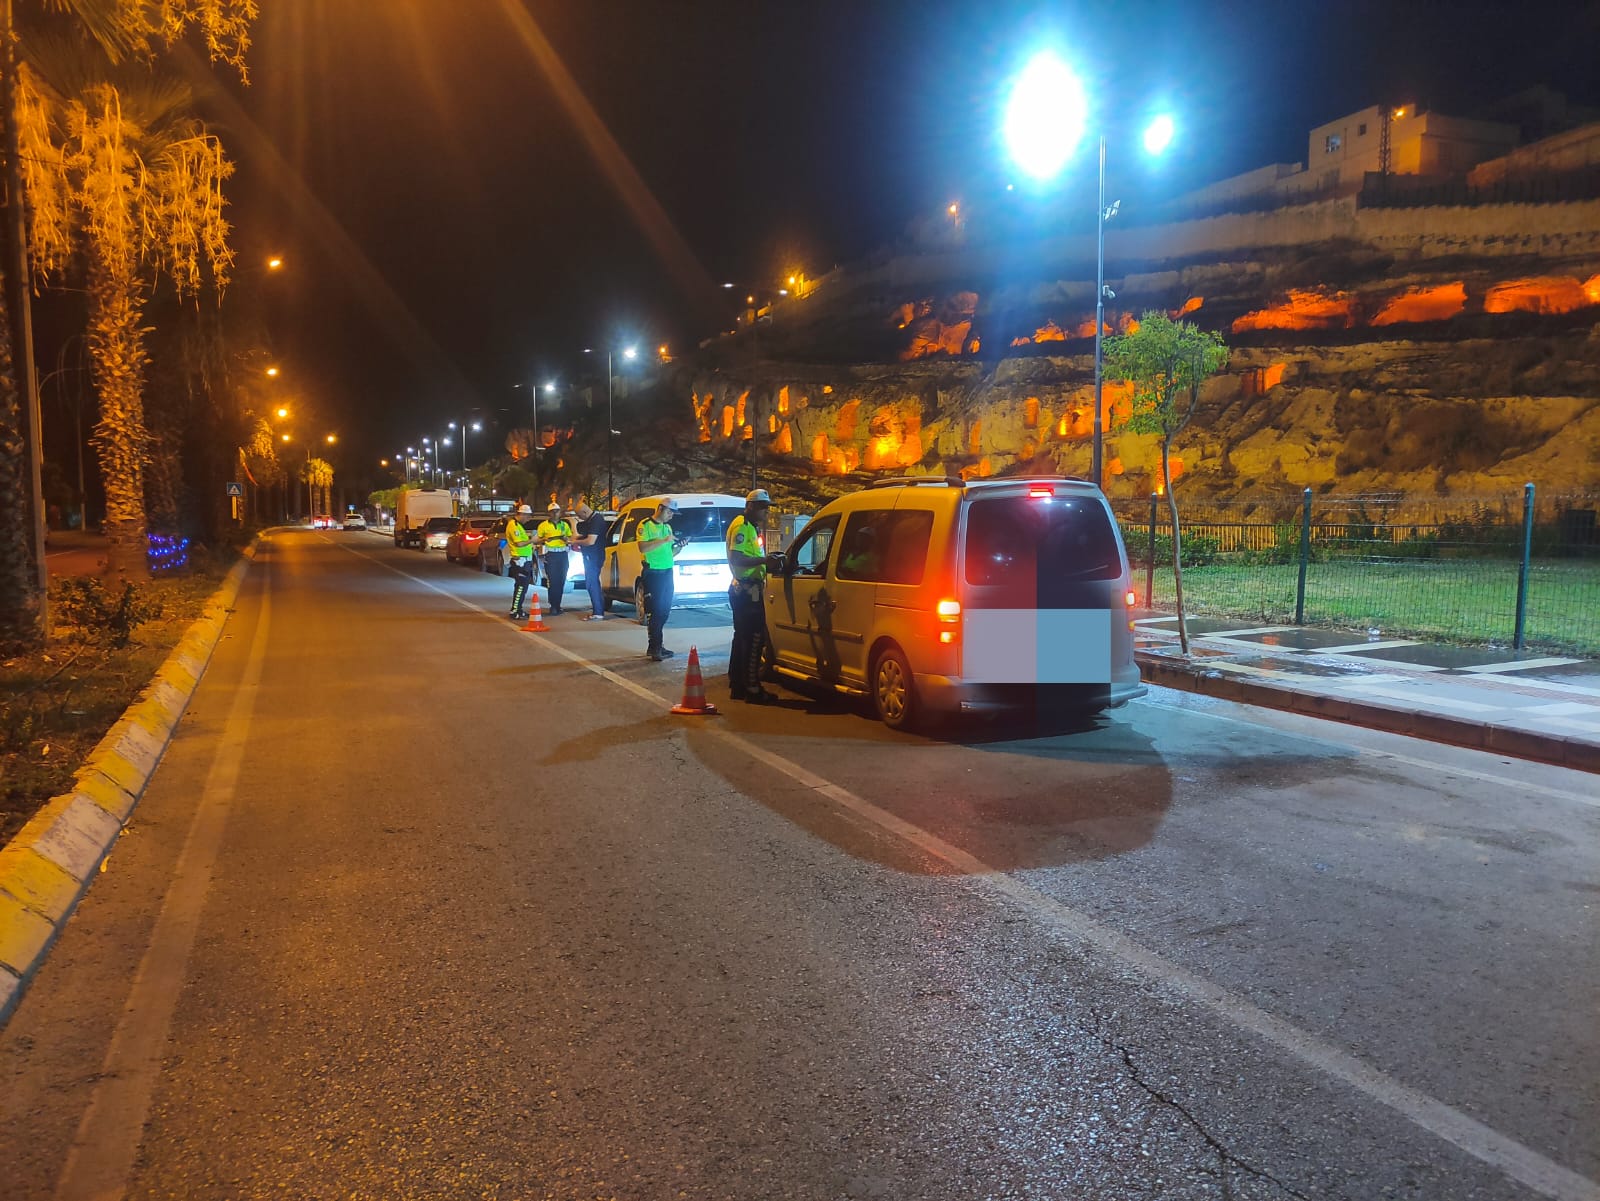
(1395, 719)
(46, 869)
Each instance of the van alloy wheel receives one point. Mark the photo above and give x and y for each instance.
(892, 689)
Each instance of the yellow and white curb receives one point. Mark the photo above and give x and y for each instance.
(48, 866)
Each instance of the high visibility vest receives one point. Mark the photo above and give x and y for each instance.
(518, 544)
(742, 537)
(555, 534)
(649, 530)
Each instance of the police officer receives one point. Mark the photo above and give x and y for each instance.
(555, 532)
(657, 542)
(747, 598)
(519, 554)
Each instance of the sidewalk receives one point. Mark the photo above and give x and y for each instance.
(1518, 703)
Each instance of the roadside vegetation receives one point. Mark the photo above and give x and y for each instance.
(1458, 600)
(58, 700)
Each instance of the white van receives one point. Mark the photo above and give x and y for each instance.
(700, 566)
(932, 594)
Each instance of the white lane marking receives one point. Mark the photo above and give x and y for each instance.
(1514, 786)
(103, 1151)
(1506, 1155)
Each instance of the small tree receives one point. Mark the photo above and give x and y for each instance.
(1166, 361)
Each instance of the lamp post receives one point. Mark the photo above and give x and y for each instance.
(1045, 120)
(628, 352)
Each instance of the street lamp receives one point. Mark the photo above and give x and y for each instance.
(1045, 120)
(628, 352)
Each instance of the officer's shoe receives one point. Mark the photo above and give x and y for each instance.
(665, 653)
(655, 655)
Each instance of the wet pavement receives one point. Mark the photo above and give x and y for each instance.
(1530, 693)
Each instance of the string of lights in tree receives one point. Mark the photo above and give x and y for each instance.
(167, 552)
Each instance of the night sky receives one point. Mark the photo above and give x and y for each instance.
(450, 230)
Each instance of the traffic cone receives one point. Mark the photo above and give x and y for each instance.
(535, 615)
(694, 701)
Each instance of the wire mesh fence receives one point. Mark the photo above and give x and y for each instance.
(1518, 570)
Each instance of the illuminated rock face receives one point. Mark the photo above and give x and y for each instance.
(1351, 369)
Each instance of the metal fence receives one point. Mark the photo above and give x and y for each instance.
(1519, 570)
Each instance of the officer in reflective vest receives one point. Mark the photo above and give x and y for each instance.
(657, 541)
(747, 598)
(519, 556)
(555, 532)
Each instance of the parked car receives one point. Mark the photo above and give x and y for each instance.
(492, 550)
(354, 521)
(700, 567)
(436, 532)
(466, 541)
(933, 595)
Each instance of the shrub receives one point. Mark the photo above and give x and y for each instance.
(102, 615)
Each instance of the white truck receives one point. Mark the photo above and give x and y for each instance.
(413, 509)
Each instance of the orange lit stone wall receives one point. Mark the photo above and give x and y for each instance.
(1438, 303)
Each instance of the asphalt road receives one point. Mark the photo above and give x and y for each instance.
(419, 906)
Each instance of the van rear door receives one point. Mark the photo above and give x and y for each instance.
(1043, 571)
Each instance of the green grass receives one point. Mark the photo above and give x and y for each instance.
(1458, 600)
(58, 702)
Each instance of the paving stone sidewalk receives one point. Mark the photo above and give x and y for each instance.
(1522, 703)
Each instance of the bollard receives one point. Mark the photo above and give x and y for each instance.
(1305, 559)
(1150, 560)
(1522, 572)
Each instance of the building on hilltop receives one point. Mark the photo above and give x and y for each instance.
(1341, 153)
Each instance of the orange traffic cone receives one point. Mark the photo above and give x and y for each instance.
(694, 701)
(535, 615)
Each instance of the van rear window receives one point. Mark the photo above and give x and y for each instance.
(1037, 548)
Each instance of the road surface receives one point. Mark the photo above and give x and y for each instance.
(421, 906)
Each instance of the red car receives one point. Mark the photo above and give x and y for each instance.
(465, 544)
(323, 521)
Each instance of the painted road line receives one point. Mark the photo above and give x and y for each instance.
(107, 1142)
(1506, 1155)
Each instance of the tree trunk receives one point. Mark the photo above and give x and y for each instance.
(20, 624)
(1177, 544)
(117, 358)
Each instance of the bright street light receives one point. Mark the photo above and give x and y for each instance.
(1158, 134)
(272, 371)
(274, 263)
(1046, 116)
(283, 412)
(1045, 120)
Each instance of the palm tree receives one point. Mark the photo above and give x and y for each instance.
(119, 167)
(116, 30)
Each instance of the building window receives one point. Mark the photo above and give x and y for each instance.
(1332, 144)
(1361, 130)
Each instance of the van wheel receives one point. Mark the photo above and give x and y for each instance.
(641, 604)
(893, 691)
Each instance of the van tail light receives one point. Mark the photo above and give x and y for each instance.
(1133, 598)
(949, 612)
